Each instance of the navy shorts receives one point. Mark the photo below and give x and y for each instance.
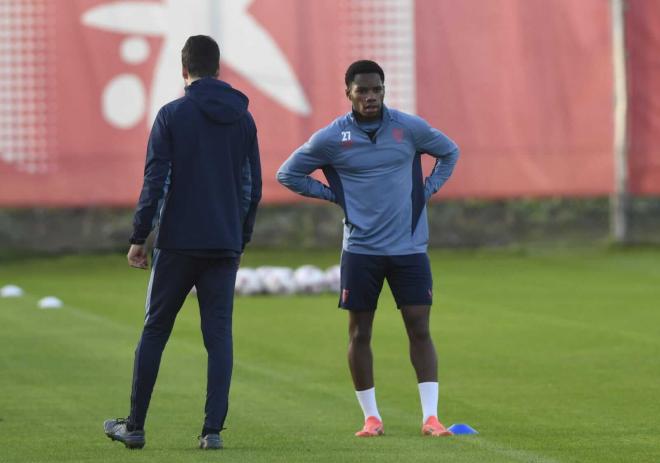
(362, 276)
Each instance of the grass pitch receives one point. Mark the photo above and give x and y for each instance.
(552, 356)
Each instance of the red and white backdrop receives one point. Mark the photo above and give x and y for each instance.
(524, 87)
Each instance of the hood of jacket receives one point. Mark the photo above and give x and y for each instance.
(218, 100)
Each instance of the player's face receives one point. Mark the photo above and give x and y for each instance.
(366, 93)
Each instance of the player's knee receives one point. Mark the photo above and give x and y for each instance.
(419, 334)
(157, 330)
(360, 336)
(220, 338)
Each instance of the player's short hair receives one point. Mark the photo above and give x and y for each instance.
(201, 56)
(364, 66)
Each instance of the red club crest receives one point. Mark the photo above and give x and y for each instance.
(397, 134)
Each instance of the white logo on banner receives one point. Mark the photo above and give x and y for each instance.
(245, 46)
(28, 138)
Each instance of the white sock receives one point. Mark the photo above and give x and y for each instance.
(428, 394)
(367, 399)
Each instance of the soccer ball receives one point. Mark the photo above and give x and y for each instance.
(310, 279)
(248, 282)
(333, 278)
(277, 280)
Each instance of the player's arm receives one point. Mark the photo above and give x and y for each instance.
(295, 172)
(156, 179)
(432, 141)
(251, 189)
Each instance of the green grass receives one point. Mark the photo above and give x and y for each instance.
(552, 356)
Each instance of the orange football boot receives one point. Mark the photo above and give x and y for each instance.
(433, 427)
(372, 427)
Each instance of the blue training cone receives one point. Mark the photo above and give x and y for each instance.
(461, 428)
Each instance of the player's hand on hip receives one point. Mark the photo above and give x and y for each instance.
(137, 256)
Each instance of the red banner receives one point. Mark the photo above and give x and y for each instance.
(643, 42)
(523, 86)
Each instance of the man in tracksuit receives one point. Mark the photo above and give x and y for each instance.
(371, 158)
(203, 177)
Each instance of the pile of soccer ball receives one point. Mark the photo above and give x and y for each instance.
(307, 279)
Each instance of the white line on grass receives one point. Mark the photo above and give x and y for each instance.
(85, 314)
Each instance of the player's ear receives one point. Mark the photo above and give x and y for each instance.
(184, 72)
(348, 92)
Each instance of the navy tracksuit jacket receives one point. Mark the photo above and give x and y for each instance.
(202, 181)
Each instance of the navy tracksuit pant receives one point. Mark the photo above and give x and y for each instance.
(173, 275)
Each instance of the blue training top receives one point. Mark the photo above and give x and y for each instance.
(376, 179)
